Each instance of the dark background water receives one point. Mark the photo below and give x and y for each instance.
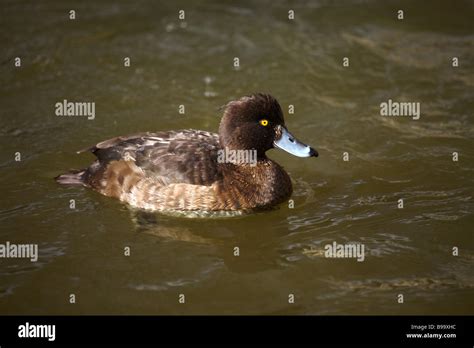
(190, 62)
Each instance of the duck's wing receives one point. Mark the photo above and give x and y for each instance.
(184, 156)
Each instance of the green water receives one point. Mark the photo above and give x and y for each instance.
(190, 62)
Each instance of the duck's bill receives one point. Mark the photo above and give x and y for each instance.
(286, 141)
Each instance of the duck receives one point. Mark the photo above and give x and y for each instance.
(195, 170)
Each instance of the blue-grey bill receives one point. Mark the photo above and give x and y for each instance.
(290, 144)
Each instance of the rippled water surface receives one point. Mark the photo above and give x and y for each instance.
(190, 62)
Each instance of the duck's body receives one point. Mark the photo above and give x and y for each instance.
(182, 171)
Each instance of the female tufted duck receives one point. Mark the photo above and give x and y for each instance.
(186, 170)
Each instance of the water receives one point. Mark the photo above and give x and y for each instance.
(190, 62)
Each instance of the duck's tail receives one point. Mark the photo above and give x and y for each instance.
(74, 177)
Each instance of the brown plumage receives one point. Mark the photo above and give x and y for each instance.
(180, 170)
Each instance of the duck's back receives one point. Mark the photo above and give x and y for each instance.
(173, 170)
(184, 156)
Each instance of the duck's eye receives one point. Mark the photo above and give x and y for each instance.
(264, 122)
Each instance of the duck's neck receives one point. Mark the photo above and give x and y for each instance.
(265, 183)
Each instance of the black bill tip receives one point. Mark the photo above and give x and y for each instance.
(313, 153)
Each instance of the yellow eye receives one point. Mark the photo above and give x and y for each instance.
(264, 122)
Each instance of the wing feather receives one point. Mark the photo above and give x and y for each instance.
(184, 156)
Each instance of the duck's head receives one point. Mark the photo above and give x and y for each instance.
(256, 122)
